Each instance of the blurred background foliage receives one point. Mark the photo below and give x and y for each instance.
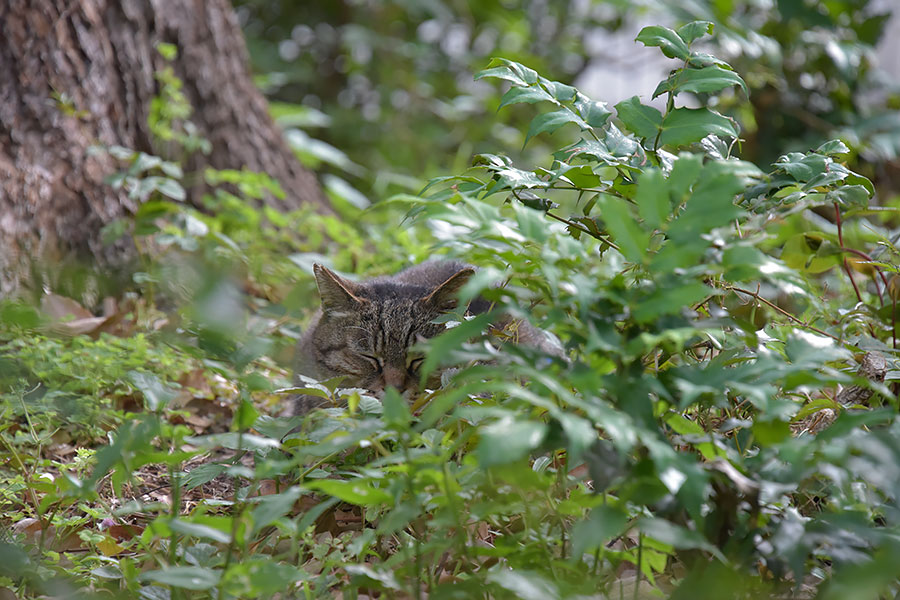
(384, 88)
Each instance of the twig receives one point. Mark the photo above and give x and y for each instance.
(783, 312)
(837, 216)
(582, 228)
(878, 270)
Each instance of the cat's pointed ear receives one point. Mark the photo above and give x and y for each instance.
(443, 297)
(337, 294)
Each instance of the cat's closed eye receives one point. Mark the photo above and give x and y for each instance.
(414, 363)
(374, 360)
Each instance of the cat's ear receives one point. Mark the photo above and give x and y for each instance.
(443, 297)
(337, 294)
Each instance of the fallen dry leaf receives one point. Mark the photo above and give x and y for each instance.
(59, 308)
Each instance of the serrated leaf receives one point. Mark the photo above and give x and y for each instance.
(529, 95)
(560, 91)
(594, 113)
(802, 167)
(667, 40)
(550, 122)
(510, 71)
(849, 196)
(707, 79)
(833, 174)
(619, 144)
(644, 121)
(684, 126)
(581, 176)
(695, 30)
(509, 177)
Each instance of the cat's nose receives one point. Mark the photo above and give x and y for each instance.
(394, 377)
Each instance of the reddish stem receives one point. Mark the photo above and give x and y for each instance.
(878, 270)
(837, 217)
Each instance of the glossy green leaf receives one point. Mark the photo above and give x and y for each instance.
(803, 167)
(855, 196)
(559, 91)
(684, 126)
(644, 121)
(832, 148)
(550, 122)
(695, 30)
(441, 347)
(671, 44)
(594, 113)
(705, 80)
(510, 71)
(528, 95)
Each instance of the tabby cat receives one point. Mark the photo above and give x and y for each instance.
(364, 331)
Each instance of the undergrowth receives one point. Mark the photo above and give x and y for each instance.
(709, 308)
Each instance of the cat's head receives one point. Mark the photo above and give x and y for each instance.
(366, 329)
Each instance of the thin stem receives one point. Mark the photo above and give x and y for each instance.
(878, 270)
(837, 216)
(637, 578)
(893, 319)
(781, 311)
(581, 228)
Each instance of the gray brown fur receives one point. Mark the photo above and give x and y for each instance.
(364, 331)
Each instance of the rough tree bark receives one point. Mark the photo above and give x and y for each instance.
(100, 55)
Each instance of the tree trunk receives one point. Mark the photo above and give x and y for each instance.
(80, 73)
